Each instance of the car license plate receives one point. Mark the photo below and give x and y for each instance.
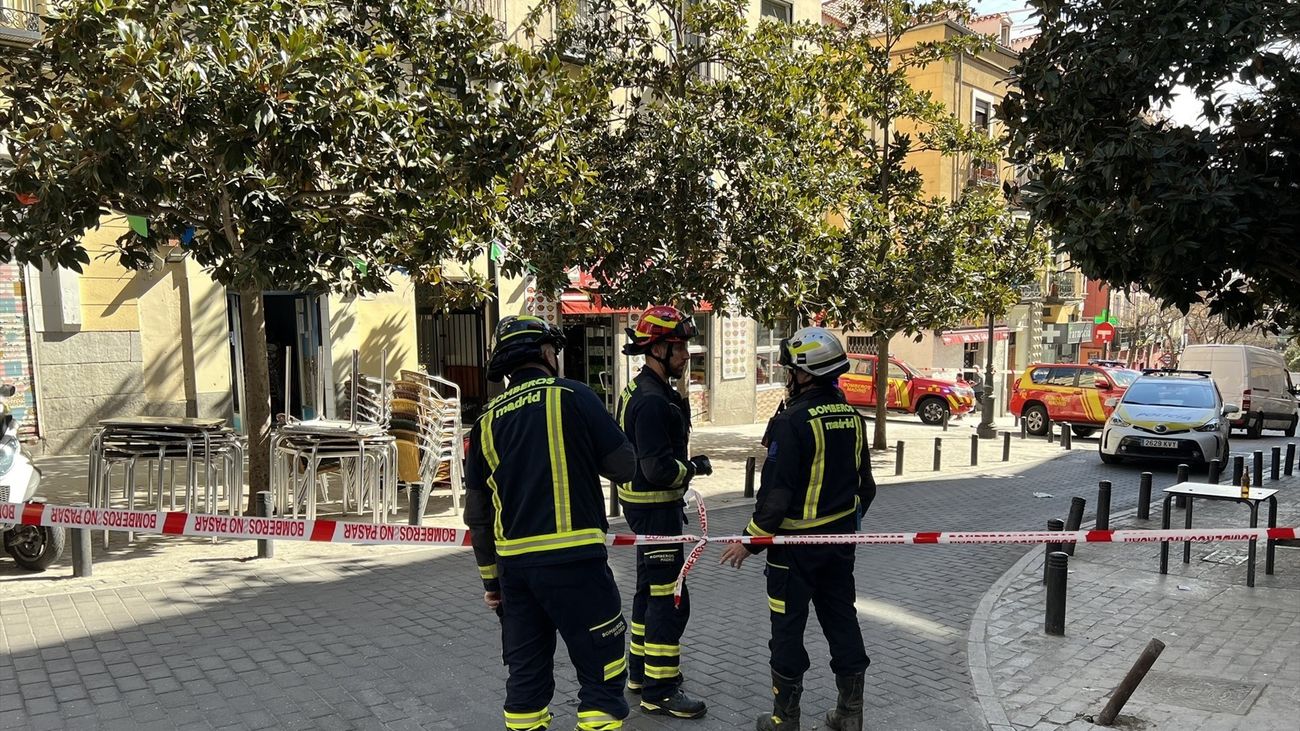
(1160, 443)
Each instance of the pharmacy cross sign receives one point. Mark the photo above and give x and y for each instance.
(1052, 334)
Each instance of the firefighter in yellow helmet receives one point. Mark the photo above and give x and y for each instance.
(536, 513)
(816, 479)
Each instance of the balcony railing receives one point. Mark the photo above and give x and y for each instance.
(983, 172)
(1031, 292)
(494, 9)
(1066, 286)
(19, 21)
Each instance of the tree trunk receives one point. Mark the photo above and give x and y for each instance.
(880, 441)
(257, 392)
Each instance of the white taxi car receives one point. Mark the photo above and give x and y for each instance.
(1169, 415)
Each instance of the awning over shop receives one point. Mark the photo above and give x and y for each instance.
(576, 302)
(973, 335)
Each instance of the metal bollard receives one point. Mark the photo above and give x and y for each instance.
(265, 548)
(1290, 459)
(751, 465)
(1024, 429)
(1130, 682)
(1051, 435)
(1054, 524)
(946, 415)
(1257, 464)
(938, 453)
(1067, 441)
(1184, 472)
(1275, 467)
(1074, 520)
(898, 457)
(615, 507)
(1144, 497)
(1057, 572)
(1238, 468)
(81, 540)
(974, 450)
(1216, 472)
(1103, 505)
(415, 500)
(1006, 446)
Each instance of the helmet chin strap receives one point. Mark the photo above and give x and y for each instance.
(794, 388)
(663, 362)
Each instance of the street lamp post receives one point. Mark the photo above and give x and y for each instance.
(986, 429)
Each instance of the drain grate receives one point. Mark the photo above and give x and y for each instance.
(1202, 694)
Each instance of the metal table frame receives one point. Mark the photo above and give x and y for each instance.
(1229, 493)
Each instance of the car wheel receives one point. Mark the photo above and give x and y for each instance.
(1255, 429)
(1083, 431)
(36, 548)
(1035, 418)
(932, 411)
(1109, 458)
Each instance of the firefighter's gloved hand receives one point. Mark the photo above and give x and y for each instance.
(702, 465)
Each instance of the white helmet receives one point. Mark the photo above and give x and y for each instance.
(814, 350)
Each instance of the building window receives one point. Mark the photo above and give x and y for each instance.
(777, 10)
(767, 365)
(699, 349)
(982, 118)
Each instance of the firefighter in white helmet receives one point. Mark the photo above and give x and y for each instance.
(816, 479)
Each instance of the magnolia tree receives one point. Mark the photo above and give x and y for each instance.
(302, 144)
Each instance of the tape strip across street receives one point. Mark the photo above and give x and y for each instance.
(334, 531)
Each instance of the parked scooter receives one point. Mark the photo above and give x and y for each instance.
(33, 547)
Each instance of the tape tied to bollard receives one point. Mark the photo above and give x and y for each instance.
(335, 531)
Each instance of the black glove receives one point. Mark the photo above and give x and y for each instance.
(702, 465)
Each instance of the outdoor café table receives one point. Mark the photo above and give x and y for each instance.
(148, 433)
(1231, 493)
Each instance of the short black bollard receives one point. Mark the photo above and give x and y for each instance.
(898, 457)
(1103, 505)
(974, 450)
(1074, 520)
(1024, 429)
(1067, 441)
(1130, 683)
(1275, 466)
(1238, 468)
(938, 454)
(1144, 497)
(1184, 474)
(1006, 446)
(80, 538)
(1216, 472)
(946, 415)
(751, 465)
(265, 548)
(1054, 524)
(1290, 459)
(1257, 478)
(415, 502)
(1051, 435)
(1058, 570)
(615, 507)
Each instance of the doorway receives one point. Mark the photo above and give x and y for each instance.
(294, 341)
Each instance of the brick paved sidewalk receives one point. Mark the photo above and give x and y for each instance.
(1232, 657)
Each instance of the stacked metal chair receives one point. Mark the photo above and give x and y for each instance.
(438, 438)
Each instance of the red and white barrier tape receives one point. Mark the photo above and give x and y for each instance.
(334, 531)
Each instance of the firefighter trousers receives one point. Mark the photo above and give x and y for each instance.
(822, 575)
(580, 600)
(657, 625)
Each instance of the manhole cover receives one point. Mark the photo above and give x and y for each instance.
(1226, 557)
(1203, 694)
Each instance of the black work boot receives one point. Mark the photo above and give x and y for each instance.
(678, 705)
(785, 705)
(847, 715)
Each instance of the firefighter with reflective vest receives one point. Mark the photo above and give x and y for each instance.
(816, 479)
(535, 509)
(657, 420)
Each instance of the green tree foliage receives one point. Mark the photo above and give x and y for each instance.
(1193, 213)
(299, 144)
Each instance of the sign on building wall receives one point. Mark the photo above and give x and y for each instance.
(15, 349)
(737, 348)
(538, 304)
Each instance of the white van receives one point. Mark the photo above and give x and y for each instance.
(1254, 378)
